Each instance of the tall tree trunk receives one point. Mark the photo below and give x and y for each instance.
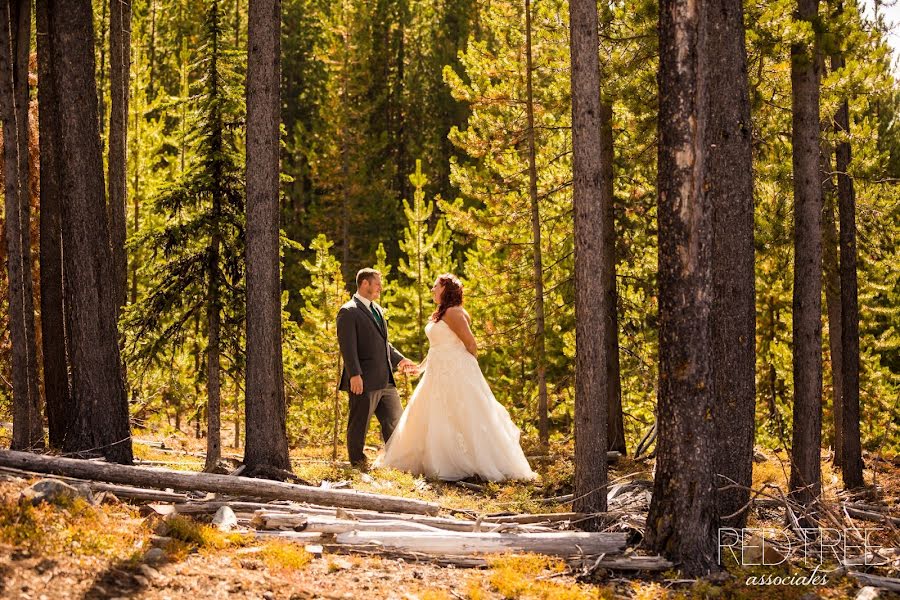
(832, 283)
(806, 476)
(539, 352)
(237, 421)
(852, 467)
(213, 352)
(135, 196)
(593, 247)
(119, 71)
(152, 50)
(345, 157)
(237, 24)
(214, 306)
(15, 39)
(53, 334)
(615, 420)
(98, 390)
(729, 180)
(682, 520)
(101, 82)
(266, 428)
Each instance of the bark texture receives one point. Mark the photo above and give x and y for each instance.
(806, 476)
(101, 421)
(593, 216)
(15, 50)
(266, 434)
(729, 182)
(682, 520)
(53, 334)
(119, 70)
(852, 463)
(832, 283)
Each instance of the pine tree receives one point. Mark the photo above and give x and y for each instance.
(806, 469)
(15, 52)
(198, 269)
(312, 355)
(428, 253)
(100, 405)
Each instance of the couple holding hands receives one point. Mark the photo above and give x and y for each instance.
(453, 427)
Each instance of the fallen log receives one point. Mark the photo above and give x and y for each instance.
(119, 491)
(885, 583)
(536, 518)
(326, 524)
(633, 563)
(207, 482)
(873, 517)
(444, 523)
(616, 563)
(565, 544)
(881, 508)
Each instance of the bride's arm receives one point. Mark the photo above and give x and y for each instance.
(457, 319)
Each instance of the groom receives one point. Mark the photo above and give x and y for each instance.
(369, 362)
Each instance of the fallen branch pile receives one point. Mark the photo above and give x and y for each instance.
(341, 520)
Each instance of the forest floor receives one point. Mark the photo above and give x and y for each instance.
(99, 551)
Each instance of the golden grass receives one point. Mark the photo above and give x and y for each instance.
(190, 536)
(72, 527)
(285, 555)
(528, 576)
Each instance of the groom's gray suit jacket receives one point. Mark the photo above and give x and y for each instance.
(365, 348)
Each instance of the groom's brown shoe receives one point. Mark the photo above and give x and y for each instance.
(360, 465)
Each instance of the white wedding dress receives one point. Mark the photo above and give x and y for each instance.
(453, 427)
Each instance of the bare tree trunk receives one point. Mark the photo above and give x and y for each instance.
(593, 215)
(136, 201)
(806, 477)
(53, 334)
(852, 467)
(345, 166)
(615, 421)
(682, 520)
(832, 283)
(266, 420)
(237, 421)
(237, 24)
(730, 191)
(540, 358)
(15, 39)
(101, 81)
(98, 390)
(119, 71)
(152, 49)
(213, 369)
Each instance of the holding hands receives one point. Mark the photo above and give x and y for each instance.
(409, 367)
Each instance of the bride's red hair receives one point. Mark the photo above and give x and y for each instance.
(451, 296)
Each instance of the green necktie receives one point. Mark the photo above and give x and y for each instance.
(376, 315)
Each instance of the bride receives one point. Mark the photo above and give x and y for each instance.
(453, 427)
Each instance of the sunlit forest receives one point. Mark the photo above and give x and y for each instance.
(160, 154)
(404, 147)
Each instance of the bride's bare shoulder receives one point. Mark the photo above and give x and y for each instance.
(458, 313)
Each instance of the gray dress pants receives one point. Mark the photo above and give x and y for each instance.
(385, 404)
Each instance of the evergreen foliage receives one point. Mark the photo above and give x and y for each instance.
(196, 262)
(369, 87)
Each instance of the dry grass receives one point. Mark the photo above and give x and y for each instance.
(72, 527)
(532, 576)
(285, 555)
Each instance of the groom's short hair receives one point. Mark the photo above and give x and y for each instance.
(366, 274)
